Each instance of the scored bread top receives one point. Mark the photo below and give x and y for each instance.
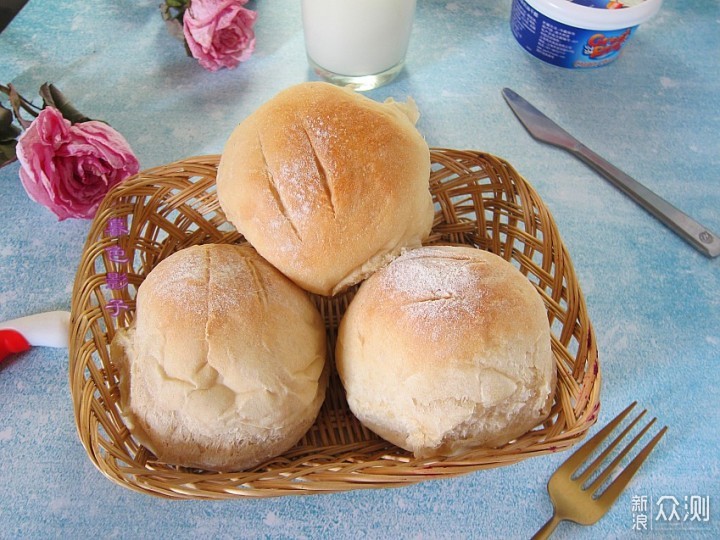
(327, 184)
(224, 365)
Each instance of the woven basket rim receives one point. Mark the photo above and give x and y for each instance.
(184, 191)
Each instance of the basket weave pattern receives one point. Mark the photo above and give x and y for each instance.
(481, 201)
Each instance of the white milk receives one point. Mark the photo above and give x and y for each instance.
(357, 37)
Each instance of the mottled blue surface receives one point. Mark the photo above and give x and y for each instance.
(654, 301)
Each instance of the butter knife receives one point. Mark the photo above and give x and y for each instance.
(545, 130)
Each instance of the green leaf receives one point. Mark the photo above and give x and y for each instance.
(7, 152)
(8, 130)
(53, 97)
(172, 13)
(20, 106)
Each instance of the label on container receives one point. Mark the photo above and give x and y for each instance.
(562, 45)
(606, 4)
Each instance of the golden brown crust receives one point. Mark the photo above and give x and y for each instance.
(447, 348)
(322, 180)
(224, 366)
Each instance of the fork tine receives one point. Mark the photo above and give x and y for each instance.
(605, 453)
(617, 485)
(587, 506)
(615, 462)
(578, 458)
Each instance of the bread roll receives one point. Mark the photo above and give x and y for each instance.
(224, 366)
(446, 349)
(327, 185)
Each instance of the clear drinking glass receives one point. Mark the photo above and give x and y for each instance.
(361, 43)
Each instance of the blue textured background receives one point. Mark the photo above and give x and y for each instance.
(654, 301)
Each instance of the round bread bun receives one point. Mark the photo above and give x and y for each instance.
(328, 185)
(224, 366)
(447, 349)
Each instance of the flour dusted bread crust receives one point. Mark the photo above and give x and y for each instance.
(328, 185)
(224, 366)
(445, 349)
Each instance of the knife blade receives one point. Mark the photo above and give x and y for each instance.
(544, 129)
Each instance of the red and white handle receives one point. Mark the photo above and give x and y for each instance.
(50, 329)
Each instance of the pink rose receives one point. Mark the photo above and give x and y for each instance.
(69, 168)
(219, 32)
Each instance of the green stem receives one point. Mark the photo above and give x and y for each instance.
(17, 102)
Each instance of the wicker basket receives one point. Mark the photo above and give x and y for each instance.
(481, 201)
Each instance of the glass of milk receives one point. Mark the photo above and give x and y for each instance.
(361, 43)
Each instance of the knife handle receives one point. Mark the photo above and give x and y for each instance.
(697, 235)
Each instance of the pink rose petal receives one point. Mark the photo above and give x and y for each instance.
(219, 33)
(70, 168)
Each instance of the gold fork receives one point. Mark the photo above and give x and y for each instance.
(572, 499)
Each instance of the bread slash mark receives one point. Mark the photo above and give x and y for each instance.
(322, 172)
(260, 289)
(208, 292)
(272, 186)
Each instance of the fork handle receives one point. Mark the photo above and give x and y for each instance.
(547, 529)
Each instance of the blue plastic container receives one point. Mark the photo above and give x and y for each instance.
(579, 34)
